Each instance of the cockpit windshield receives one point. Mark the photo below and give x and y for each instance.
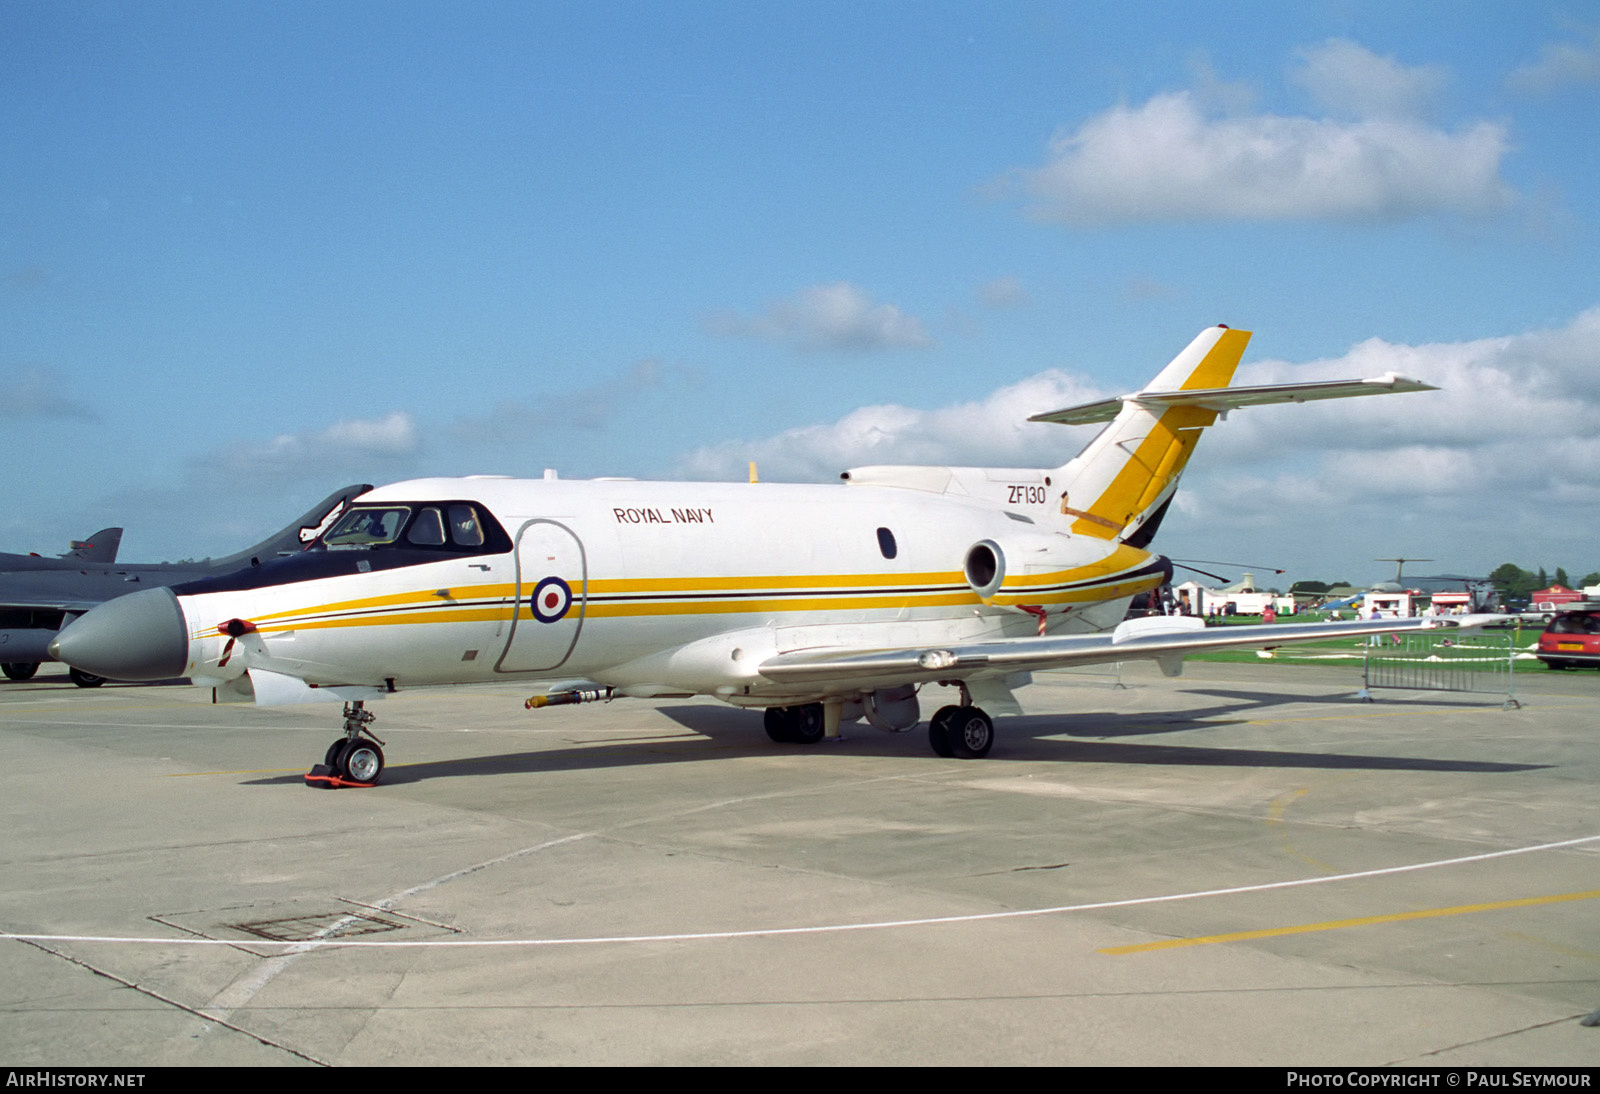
(375, 537)
(366, 527)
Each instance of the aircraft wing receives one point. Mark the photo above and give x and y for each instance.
(11, 601)
(1162, 638)
(1224, 399)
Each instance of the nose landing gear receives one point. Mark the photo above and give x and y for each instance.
(356, 759)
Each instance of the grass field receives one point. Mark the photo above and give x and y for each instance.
(1352, 651)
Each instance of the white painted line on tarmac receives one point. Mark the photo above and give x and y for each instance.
(832, 928)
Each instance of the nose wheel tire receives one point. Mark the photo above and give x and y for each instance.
(85, 679)
(359, 761)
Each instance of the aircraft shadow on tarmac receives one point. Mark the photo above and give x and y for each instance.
(1241, 705)
(61, 683)
(724, 732)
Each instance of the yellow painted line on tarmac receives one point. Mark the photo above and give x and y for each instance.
(1340, 924)
(1275, 813)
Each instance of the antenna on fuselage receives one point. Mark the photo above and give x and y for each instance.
(753, 476)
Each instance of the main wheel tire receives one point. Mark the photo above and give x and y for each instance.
(19, 670)
(85, 679)
(331, 757)
(939, 731)
(777, 724)
(805, 724)
(971, 734)
(360, 761)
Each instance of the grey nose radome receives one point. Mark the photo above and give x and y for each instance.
(141, 636)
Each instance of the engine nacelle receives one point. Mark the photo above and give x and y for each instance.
(1036, 568)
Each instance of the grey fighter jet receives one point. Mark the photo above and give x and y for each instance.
(39, 596)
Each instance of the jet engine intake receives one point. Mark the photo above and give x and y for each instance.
(985, 567)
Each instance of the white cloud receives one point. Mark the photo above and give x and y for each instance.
(1560, 64)
(368, 449)
(992, 432)
(837, 316)
(1501, 464)
(1349, 80)
(1166, 161)
(40, 393)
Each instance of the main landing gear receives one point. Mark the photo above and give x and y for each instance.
(963, 732)
(794, 725)
(356, 759)
(85, 679)
(24, 670)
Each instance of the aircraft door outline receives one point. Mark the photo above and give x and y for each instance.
(552, 595)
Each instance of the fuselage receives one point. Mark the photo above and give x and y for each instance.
(654, 588)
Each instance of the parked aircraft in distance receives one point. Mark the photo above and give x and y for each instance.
(814, 603)
(38, 596)
(98, 548)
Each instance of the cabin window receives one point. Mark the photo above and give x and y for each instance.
(886, 543)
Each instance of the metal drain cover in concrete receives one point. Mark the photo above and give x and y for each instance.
(302, 921)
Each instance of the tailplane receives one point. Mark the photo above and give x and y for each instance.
(1122, 481)
(1119, 486)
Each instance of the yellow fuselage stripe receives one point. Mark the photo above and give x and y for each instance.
(432, 607)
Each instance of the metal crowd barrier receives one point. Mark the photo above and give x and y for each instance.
(1479, 662)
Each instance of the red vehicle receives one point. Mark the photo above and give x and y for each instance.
(1572, 640)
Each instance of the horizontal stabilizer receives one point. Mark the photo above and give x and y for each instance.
(1224, 399)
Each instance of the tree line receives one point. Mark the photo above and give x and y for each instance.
(1515, 583)
(1511, 581)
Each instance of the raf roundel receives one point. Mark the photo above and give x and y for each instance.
(551, 599)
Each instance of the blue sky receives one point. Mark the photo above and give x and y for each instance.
(250, 252)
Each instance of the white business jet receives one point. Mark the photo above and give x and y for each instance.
(817, 604)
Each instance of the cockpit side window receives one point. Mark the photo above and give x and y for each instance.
(466, 529)
(428, 529)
